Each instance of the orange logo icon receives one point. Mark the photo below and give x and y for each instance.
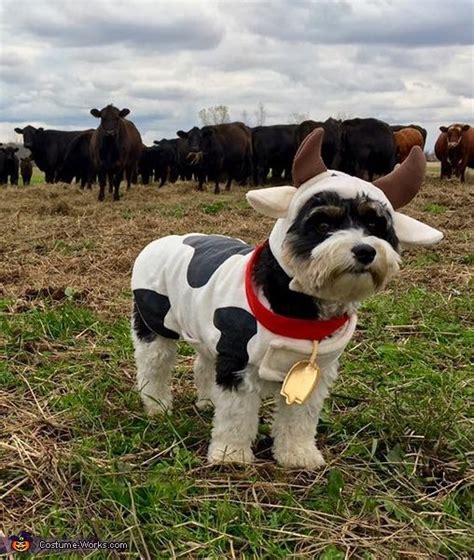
(21, 542)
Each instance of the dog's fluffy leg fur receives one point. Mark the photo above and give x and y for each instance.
(294, 427)
(204, 376)
(235, 425)
(155, 361)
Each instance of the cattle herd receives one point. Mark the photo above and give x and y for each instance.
(233, 152)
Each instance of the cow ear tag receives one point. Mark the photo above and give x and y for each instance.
(301, 379)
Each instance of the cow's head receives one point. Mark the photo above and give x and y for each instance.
(9, 152)
(199, 142)
(338, 237)
(31, 135)
(110, 118)
(454, 133)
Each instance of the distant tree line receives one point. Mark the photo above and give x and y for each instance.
(220, 114)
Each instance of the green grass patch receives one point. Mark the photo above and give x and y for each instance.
(468, 259)
(214, 207)
(38, 176)
(435, 208)
(395, 432)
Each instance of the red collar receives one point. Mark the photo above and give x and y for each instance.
(303, 329)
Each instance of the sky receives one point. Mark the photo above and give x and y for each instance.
(402, 61)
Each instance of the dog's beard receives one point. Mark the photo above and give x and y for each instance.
(332, 273)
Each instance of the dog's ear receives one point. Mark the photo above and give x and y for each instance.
(412, 232)
(273, 202)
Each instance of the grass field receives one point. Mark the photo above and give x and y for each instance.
(79, 457)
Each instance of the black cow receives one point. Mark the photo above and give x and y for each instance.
(185, 169)
(274, 148)
(26, 168)
(331, 148)
(146, 164)
(47, 147)
(367, 148)
(398, 127)
(193, 159)
(166, 160)
(9, 165)
(3, 157)
(77, 162)
(222, 149)
(159, 162)
(116, 147)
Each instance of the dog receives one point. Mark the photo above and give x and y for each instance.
(252, 313)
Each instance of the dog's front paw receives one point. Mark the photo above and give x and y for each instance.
(228, 454)
(204, 404)
(155, 407)
(303, 457)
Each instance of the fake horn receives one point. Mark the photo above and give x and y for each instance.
(402, 184)
(308, 162)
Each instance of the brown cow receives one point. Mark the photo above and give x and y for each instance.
(441, 152)
(405, 139)
(421, 130)
(115, 147)
(459, 146)
(26, 168)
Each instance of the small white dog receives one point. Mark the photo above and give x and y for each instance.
(250, 314)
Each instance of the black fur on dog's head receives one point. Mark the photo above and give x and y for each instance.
(341, 249)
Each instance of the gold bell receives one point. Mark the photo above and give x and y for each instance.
(301, 379)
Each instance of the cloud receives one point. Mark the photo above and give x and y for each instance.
(73, 24)
(399, 61)
(362, 22)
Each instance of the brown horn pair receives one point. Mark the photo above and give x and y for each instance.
(400, 186)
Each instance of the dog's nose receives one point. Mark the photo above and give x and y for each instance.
(364, 253)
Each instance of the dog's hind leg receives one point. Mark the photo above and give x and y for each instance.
(204, 378)
(235, 425)
(155, 361)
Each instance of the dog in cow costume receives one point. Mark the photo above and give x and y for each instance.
(252, 313)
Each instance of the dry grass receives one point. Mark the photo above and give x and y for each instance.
(60, 236)
(398, 478)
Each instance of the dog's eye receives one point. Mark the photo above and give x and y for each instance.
(321, 222)
(375, 223)
(323, 227)
(318, 222)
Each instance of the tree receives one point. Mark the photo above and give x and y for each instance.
(343, 116)
(218, 114)
(260, 115)
(298, 118)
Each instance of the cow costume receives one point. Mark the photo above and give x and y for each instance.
(252, 313)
